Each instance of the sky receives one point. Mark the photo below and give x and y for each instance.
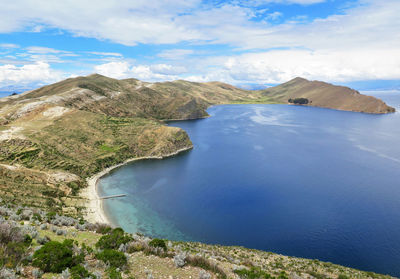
(245, 43)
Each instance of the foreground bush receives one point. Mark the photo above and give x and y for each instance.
(78, 272)
(13, 245)
(114, 274)
(113, 258)
(55, 256)
(156, 242)
(113, 240)
(10, 233)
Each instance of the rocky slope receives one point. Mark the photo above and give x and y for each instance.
(97, 251)
(321, 94)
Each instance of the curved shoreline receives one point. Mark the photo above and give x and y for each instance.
(94, 212)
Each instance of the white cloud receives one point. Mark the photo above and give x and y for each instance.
(116, 70)
(165, 69)
(278, 66)
(175, 54)
(43, 50)
(105, 53)
(124, 69)
(274, 15)
(122, 21)
(39, 73)
(9, 46)
(262, 2)
(360, 43)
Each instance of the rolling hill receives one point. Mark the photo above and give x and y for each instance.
(325, 95)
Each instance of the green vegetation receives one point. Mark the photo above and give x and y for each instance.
(114, 274)
(112, 257)
(65, 247)
(78, 272)
(56, 257)
(113, 239)
(156, 242)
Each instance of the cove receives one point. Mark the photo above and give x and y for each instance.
(294, 180)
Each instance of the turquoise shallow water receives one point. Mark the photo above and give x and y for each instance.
(300, 181)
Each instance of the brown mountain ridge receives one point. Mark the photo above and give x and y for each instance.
(325, 95)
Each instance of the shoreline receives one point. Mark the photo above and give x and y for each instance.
(94, 212)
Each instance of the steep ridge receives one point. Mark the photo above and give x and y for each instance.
(321, 94)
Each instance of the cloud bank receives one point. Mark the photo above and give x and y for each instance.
(361, 42)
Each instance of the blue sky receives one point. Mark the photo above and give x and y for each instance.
(258, 42)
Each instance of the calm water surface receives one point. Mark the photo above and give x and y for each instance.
(300, 181)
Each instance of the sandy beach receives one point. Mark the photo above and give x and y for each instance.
(94, 205)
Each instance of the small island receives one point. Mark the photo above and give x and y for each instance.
(298, 101)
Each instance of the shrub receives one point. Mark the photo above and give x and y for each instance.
(50, 215)
(27, 239)
(102, 228)
(204, 275)
(205, 264)
(134, 246)
(112, 257)
(37, 217)
(156, 242)
(6, 273)
(55, 256)
(10, 233)
(114, 274)
(113, 240)
(43, 240)
(61, 232)
(66, 274)
(78, 272)
(342, 276)
(12, 254)
(180, 260)
(253, 273)
(36, 273)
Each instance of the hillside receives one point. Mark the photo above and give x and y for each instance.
(39, 244)
(54, 137)
(325, 95)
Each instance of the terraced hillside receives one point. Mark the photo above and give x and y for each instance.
(54, 137)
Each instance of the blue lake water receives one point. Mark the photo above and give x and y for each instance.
(299, 181)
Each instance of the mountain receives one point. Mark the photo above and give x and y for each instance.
(325, 95)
